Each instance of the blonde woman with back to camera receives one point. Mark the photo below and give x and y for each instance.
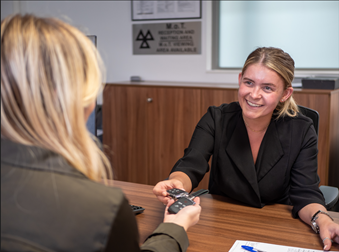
(51, 198)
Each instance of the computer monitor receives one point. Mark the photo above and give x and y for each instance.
(91, 122)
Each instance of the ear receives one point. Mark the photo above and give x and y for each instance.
(287, 93)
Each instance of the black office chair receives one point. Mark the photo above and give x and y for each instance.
(331, 194)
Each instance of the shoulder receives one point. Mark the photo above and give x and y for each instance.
(60, 189)
(298, 126)
(97, 193)
(86, 208)
(299, 120)
(225, 108)
(215, 115)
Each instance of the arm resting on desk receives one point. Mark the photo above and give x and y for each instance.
(328, 228)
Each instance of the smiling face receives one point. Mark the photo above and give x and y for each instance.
(260, 90)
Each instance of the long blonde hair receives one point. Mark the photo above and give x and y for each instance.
(283, 64)
(50, 72)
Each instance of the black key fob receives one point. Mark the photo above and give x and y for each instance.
(180, 204)
(177, 193)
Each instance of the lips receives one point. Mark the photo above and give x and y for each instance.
(253, 104)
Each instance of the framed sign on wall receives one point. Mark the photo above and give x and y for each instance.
(156, 10)
(167, 38)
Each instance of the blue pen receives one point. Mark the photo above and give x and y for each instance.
(251, 249)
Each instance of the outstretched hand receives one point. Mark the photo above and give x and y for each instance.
(186, 217)
(160, 189)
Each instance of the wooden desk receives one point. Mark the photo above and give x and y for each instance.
(224, 221)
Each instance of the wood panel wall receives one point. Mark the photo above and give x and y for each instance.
(147, 127)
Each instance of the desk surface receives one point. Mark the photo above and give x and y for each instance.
(223, 221)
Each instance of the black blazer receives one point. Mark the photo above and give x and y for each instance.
(286, 167)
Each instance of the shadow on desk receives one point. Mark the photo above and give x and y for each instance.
(223, 221)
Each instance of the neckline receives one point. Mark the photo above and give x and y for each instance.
(253, 130)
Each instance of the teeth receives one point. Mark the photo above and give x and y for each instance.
(252, 104)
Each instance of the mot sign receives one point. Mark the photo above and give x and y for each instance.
(167, 38)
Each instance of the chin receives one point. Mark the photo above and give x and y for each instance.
(251, 115)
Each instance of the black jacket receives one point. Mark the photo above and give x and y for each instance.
(285, 170)
(47, 205)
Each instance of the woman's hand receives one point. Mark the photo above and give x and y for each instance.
(329, 231)
(186, 217)
(160, 189)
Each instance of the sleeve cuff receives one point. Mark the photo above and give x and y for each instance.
(173, 231)
(297, 208)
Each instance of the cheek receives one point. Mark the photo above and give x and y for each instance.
(274, 100)
(241, 91)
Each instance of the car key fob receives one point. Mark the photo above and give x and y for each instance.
(183, 199)
(177, 193)
(180, 204)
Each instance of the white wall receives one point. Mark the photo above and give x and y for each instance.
(111, 22)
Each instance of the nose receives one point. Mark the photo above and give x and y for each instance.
(256, 93)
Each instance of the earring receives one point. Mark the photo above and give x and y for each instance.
(282, 100)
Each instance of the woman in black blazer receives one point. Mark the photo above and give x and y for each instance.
(263, 151)
(52, 198)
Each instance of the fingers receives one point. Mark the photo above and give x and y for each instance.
(186, 210)
(164, 200)
(197, 205)
(197, 200)
(193, 209)
(160, 189)
(327, 243)
(325, 235)
(329, 234)
(168, 204)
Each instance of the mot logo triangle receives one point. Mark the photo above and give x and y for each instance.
(144, 39)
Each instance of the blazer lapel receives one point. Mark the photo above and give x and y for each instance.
(268, 156)
(239, 150)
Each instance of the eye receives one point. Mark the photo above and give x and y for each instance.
(267, 89)
(248, 83)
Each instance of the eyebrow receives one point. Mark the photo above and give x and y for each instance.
(269, 84)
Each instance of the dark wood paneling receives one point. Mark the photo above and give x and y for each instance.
(172, 117)
(124, 127)
(145, 139)
(216, 97)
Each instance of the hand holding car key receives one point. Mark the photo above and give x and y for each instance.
(182, 198)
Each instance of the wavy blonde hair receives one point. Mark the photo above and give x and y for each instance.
(282, 63)
(50, 72)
